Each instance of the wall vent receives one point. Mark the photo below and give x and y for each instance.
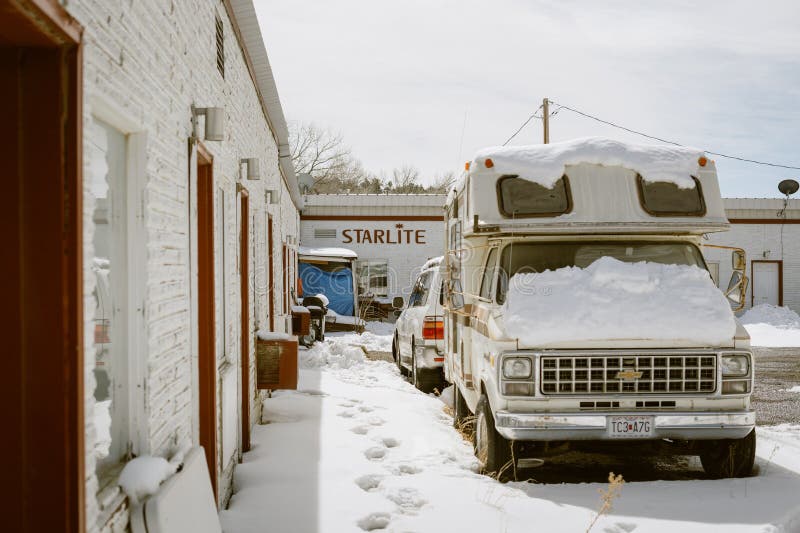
(324, 233)
(220, 46)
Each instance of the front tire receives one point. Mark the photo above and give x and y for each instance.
(731, 458)
(492, 449)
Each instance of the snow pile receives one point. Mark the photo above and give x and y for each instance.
(772, 326)
(611, 299)
(142, 476)
(796, 388)
(773, 315)
(273, 336)
(338, 352)
(447, 396)
(545, 163)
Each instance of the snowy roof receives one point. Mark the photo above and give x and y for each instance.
(327, 252)
(546, 163)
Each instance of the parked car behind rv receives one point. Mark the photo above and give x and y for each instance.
(418, 343)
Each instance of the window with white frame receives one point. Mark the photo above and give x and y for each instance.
(373, 277)
(220, 260)
(107, 186)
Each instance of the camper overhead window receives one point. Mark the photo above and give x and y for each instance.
(518, 197)
(662, 199)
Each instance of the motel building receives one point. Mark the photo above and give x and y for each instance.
(151, 216)
(393, 235)
(390, 235)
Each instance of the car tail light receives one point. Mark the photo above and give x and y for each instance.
(432, 328)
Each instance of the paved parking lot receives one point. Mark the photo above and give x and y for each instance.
(777, 369)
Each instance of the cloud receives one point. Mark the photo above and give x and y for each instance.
(398, 78)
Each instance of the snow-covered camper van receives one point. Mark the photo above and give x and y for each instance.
(580, 313)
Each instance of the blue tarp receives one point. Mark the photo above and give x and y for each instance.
(336, 286)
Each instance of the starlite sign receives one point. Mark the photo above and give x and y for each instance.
(397, 235)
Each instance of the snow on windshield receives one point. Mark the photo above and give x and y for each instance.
(611, 299)
(545, 163)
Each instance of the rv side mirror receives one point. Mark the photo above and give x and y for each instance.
(398, 302)
(738, 260)
(456, 294)
(737, 288)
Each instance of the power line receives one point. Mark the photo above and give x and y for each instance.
(618, 126)
(534, 115)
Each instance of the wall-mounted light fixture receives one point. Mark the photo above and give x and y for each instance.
(214, 123)
(252, 167)
(271, 196)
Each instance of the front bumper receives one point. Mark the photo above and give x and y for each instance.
(596, 426)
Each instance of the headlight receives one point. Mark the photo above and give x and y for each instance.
(517, 368)
(735, 365)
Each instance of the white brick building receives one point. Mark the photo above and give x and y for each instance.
(183, 257)
(771, 238)
(393, 235)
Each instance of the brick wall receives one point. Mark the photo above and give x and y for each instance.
(145, 64)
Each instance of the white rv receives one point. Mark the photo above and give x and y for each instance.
(580, 313)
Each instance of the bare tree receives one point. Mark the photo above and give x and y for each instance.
(319, 152)
(442, 183)
(405, 179)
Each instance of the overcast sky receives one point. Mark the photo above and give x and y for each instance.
(397, 79)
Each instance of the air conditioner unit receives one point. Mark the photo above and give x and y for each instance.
(276, 361)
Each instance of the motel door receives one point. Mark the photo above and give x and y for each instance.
(766, 282)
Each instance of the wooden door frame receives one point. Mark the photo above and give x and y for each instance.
(271, 286)
(206, 318)
(244, 291)
(41, 145)
(753, 278)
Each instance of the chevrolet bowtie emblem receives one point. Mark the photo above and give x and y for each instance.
(628, 374)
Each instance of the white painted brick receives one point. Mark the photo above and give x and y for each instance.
(151, 60)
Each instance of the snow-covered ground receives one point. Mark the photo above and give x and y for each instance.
(772, 326)
(358, 448)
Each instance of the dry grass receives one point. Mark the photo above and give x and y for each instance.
(607, 497)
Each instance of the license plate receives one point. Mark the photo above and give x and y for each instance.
(631, 427)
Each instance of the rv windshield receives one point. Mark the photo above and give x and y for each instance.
(537, 257)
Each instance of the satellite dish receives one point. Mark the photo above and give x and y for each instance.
(788, 187)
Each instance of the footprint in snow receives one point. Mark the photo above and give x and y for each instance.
(360, 430)
(406, 469)
(347, 404)
(365, 409)
(368, 482)
(409, 500)
(375, 421)
(374, 521)
(390, 442)
(376, 453)
(346, 414)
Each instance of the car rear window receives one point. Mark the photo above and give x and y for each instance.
(663, 199)
(518, 197)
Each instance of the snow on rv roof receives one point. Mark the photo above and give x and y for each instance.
(545, 163)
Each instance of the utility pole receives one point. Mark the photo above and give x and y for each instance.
(546, 120)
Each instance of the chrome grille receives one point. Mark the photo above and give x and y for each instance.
(657, 374)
